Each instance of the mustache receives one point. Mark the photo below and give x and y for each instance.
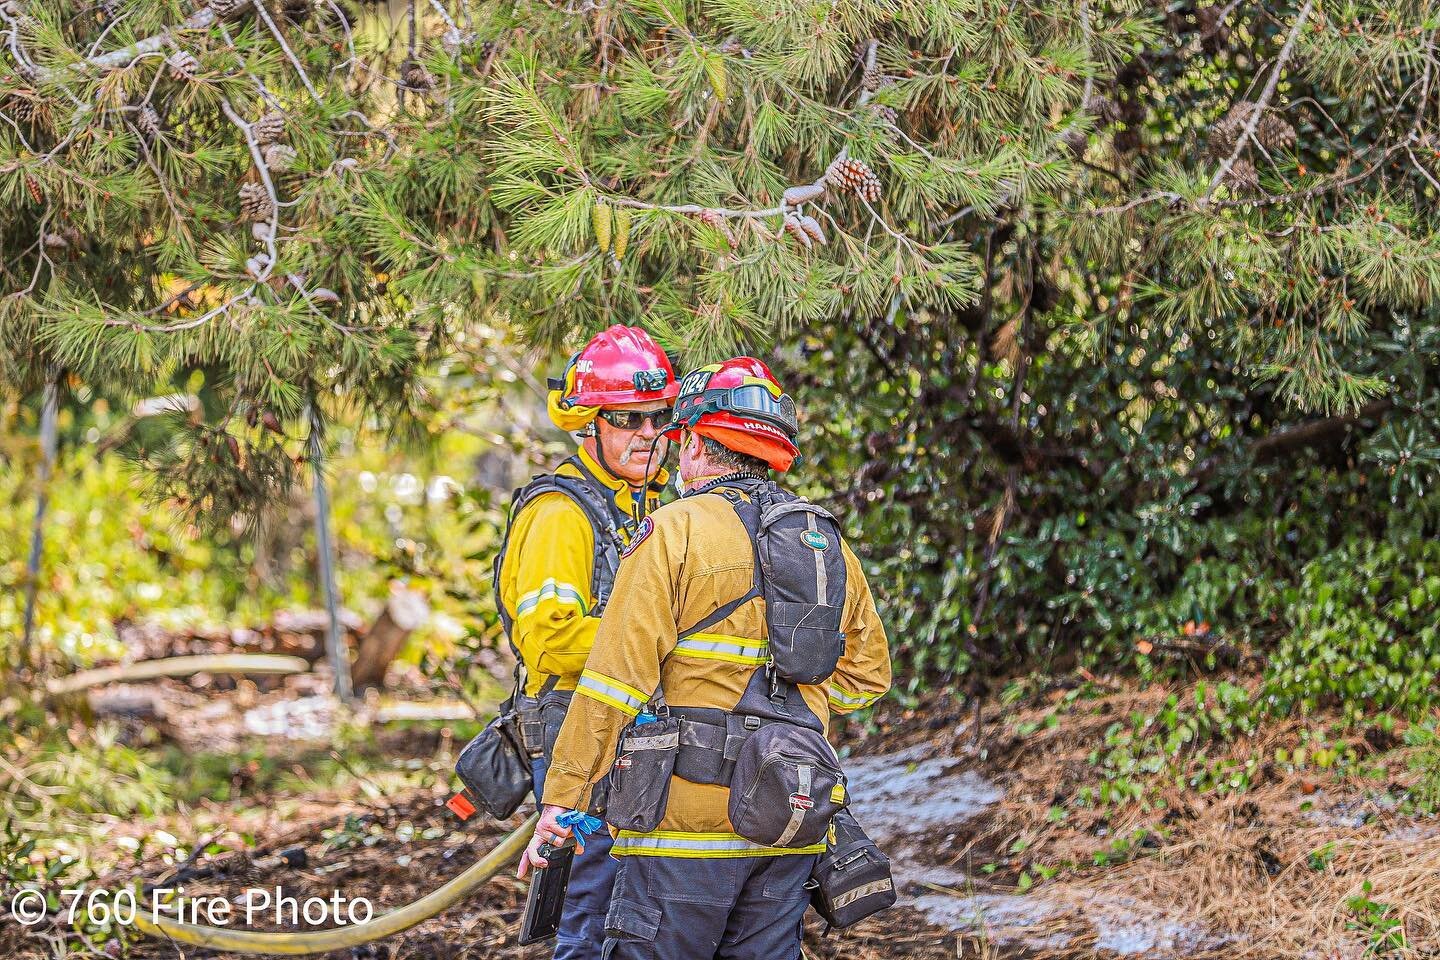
(642, 449)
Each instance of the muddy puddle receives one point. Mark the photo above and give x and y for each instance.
(923, 808)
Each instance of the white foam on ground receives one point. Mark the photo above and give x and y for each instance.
(907, 800)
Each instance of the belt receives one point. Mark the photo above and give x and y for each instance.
(710, 741)
(532, 721)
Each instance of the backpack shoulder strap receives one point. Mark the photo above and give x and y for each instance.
(749, 513)
(602, 522)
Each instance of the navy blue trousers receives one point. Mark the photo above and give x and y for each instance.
(731, 908)
(587, 899)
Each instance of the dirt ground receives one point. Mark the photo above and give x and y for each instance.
(967, 815)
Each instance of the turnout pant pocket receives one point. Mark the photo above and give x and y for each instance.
(640, 778)
(630, 930)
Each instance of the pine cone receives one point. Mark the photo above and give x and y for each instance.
(620, 222)
(33, 185)
(1274, 132)
(22, 109)
(1242, 177)
(295, 10)
(279, 157)
(792, 226)
(856, 175)
(183, 65)
(812, 227)
(269, 128)
(886, 113)
(414, 75)
(255, 202)
(149, 122)
(713, 218)
(225, 9)
(601, 222)
(54, 241)
(1225, 133)
(1102, 108)
(872, 78)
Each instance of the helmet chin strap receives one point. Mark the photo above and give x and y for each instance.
(641, 506)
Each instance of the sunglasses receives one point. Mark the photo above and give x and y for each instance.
(634, 419)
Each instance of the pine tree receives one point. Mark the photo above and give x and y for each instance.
(313, 202)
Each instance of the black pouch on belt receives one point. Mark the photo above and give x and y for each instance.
(640, 778)
(495, 768)
(787, 785)
(851, 880)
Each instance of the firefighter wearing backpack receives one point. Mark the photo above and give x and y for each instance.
(740, 623)
(557, 565)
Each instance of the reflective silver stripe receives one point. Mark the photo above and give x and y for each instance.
(821, 580)
(875, 886)
(666, 741)
(666, 844)
(560, 592)
(846, 699)
(609, 691)
(758, 650)
(797, 812)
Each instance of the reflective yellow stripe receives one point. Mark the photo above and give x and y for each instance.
(596, 675)
(721, 646)
(698, 846)
(613, 693)
(609, 701)
(564, 594)
(845, 700)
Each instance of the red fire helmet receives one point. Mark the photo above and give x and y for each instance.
(739, 403)
(618, 365)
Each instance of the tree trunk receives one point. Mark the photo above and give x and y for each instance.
(404, 612)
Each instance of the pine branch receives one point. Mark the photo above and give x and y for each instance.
(1247, 134)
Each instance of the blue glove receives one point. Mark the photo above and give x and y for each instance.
(644, 718)
(581, 823)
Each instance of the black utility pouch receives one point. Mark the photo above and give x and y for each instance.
(494, 766)
(802, 567)
(531, 724)
(851, 880)
(787, 785)
(640, 778)
(553, 707)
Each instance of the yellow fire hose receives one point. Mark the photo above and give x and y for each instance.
(341, 938)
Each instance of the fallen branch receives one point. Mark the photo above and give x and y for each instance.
(248, 664)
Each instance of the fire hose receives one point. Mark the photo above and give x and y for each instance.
(341, 938)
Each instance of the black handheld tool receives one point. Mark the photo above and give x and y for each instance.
(547, 893)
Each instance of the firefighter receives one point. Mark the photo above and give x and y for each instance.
(686, 634)
(557, 564)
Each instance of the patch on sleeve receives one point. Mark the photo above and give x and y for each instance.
(647, 526)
